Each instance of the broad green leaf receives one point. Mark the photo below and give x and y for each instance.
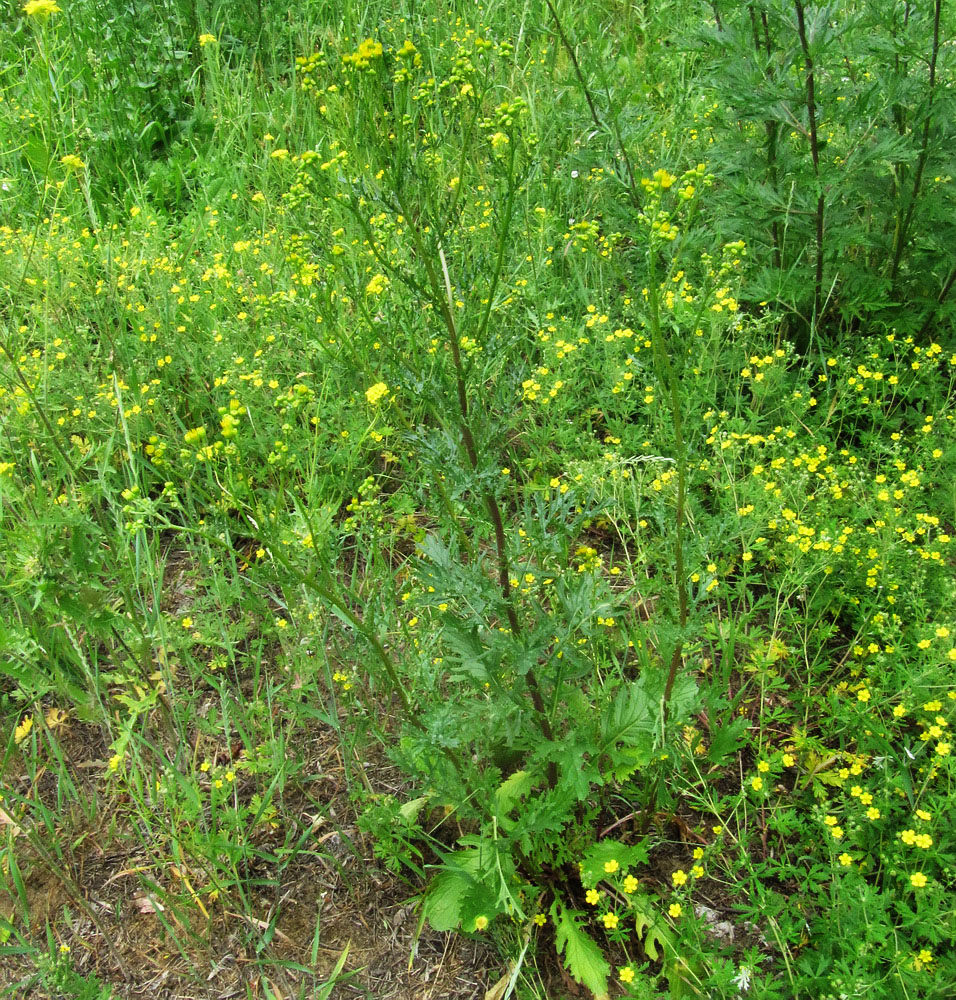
(604, 853)
(443, 900)
(577, 770)
(495, 886)
(650, 927)
(477, 902)
(411, 809)
(582, 957)
(631, 717)
(726, 739)
(38, 155)
(512, 790)
(467, 651)
(685, 697)
(623, 761)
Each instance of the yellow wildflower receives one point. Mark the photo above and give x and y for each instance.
(377, 285)
(376, 392)
(40, 9)
(23, 730)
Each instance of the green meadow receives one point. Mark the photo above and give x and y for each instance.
(477, 498)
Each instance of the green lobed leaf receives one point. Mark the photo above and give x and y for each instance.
(512, 790)
(606, 851)
(726, 739)
(582, 956)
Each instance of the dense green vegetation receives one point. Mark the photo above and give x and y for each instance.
(514, 438)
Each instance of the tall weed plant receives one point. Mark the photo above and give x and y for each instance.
(519, 401)
(834, 125)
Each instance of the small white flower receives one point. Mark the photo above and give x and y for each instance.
(742, 979)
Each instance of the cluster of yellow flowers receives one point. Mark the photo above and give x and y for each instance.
(376, 393)
(364, 55)
(41, 9)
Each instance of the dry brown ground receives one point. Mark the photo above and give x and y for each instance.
(92, 900)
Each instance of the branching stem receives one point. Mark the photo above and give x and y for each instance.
(905, 222)
(814, 154)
